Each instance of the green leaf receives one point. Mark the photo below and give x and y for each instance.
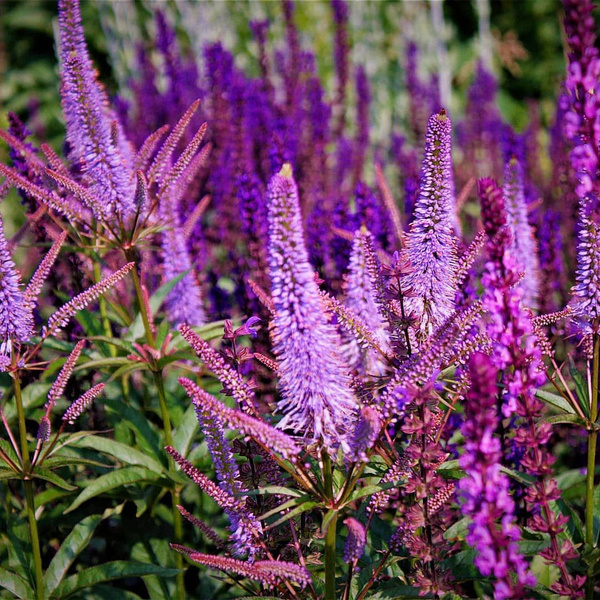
(6, 474)
(72, 545)
(450, 469)
(458, 531)
(580, 387)
(15, 584)
(33, 395)
(119, 569)
(47, 475)
(9, 451)
(112, 480)
(292, 513)
(118, 342)
(57, 462)
(555, 400)
(137, 327)
(186, 430)
(130, 368)
(285, 506)
(556, 419)
(369, 490)
(273, 489)
(102, 363)
(146, 437)
(522, 478)
(122, 452)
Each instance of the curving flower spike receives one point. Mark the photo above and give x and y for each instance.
(16, 319)
(484, 492)
(431, 247)
(34, 287)
(231, 380)
(184, 302)
(317, 401)
(246, 529)
(268, 572)
(60, 383)
(81, 404)
(61, 317)
(365, 435)
(262, 432)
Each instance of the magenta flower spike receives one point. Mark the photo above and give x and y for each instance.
(317, 401)
(484, 492)
(97, 143)
(431, 242)
(16, 319)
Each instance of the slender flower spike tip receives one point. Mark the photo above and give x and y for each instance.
(81, 404)
(90, 124)
(316, 397)
(16, 319)
(431, 242)
(360, 298)
(523, 245)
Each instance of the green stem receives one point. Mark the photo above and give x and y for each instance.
(330, 555)
(29, 499)
(140, 298)
(166, 419)
(591, 463)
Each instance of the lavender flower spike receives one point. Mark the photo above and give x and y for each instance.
(89, 121)
(431, 242)
(316, 397)
(360, 298)
(523, 244)
(16, 319)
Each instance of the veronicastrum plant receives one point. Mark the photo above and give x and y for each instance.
(388, 431)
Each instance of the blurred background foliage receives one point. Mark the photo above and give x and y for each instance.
(526, 47)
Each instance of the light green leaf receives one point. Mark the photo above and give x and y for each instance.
(555, 400)
(186, 430)
(15, 584)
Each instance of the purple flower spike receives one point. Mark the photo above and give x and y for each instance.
(16, 320)
(356, 540)
(431, 241)
(316, 397)
(484, 492)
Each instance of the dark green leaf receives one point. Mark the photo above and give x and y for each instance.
(186, 430)
(292, 513)
(580, 387)
(122, 452)
(47, 475)
(112, 480)
(559, 419)
(72, 545)
(109, 572)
